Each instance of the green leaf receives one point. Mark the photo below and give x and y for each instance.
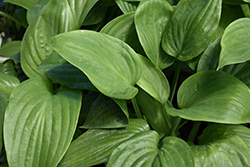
(235, 43)
(159, 89)
(123, 28)
(105, 113)
(60, 71)
(109, 63)
(7, 84)
(139, 150)
(220, 146)
(174, 152)
(8, 67)
(55, 18)
(95, 146)
(193, 25)
(21, 14)
(23, 3)
(234, 2)
(213, 96)
(3, 105)
(154, 112)
(10, 49)
(40, 123)
(150, 30)
(127, 7)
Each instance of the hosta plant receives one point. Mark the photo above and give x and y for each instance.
(125, 83)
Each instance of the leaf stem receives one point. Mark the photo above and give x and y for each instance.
(9, 17)
(246, 10)
(137, 110)
(194, 131)
(175, 124)
(175, 80)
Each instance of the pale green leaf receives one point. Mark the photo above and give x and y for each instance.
(7, 84)
(151, 18)
(40, 123)
(235, 43)
(109, 63)
(10, 49)
(55, 18)
(213, 96)
(139, 150)
(220, 146)
(95, 146)
(193, 25)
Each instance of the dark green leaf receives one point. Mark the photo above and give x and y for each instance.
(234, 2)
(127, 7)
(7, 84)
(23, 3)
(235, 43)
(220, 146)
(3, 105)
(174, 152)
(8, 67)
(151, 18)
(40, 123)
(10, 49)
(139, 150)
(60, 71)
(193, 25)
(123, 28)
(105, 113)
(213, 96)
(21, 15)
(95, 146)
(55, 18)
(109, 63)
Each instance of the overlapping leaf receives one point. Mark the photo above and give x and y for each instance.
(126, 7)
(213, 96)
(151, 18)
(7, 84)
(8, 67)
(109, 63)
(220, 146)
(95, 146)
(40, 123)
(193, 25)
(3, 105)
(23, 3)
(55, 18)
(235, 43)
(10, 49)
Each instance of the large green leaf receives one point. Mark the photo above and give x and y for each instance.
(193, 25)
(10, 49)
(154, 112)
(95, 146)
(139, 150)
(127, 7)
(105, 113)
(55, 18)
(109, 63)
(123, 28)
(60, 71)
(174, 152)
(220, 146)
(3, 105)
(151, 18)
(23, 3)
(235, 43)
(159, 89)
(7, 84)
(213, 96)
(40, 123)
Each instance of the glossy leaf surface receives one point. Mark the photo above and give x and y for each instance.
(193, 25)
(105, 113)
(40, 123)
(174, 152)
(55, 18)
(159, 89)
(151, 18)
(10, 49)
(109, 63)
(213, 96)
(7, 84)
(33, 11)
(23, 3)
(126, 7)
(123, 28)
(217, 147)
(95, 146)
(60, 71)
(235, 43)
(8, 67)
(139, 150)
